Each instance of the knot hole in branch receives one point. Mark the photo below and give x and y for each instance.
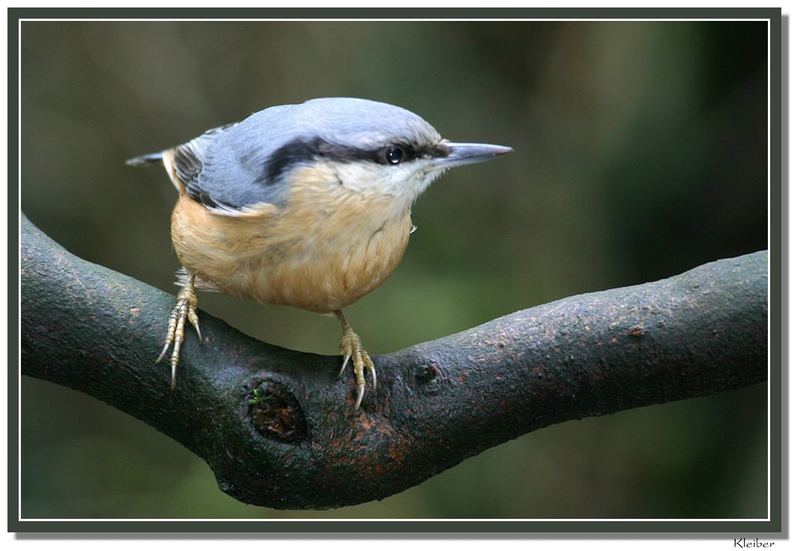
(274, 412)
(429, 376)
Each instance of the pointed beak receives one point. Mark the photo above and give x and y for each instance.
(468, 153)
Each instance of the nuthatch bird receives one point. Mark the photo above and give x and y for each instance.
(307, 205)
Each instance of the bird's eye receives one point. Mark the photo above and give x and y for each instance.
(394, 154)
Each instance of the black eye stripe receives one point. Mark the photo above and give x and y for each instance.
(412, 152)
(306, 150)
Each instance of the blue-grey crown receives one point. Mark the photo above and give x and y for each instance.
(347, 122)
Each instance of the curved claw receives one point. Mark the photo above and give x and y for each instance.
(360, 396)
(371, 368)
(173, 380)
(163, 351)
(344, 364)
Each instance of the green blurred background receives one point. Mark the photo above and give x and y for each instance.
(640, 152)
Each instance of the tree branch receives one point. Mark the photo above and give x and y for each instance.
(277, 427)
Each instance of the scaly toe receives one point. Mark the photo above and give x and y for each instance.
(350, 348)
(185, 309)
(195, 321)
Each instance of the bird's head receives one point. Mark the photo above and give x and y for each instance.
(370, 147)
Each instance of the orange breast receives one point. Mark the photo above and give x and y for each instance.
(325, 249)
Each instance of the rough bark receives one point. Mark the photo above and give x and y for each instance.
(278, 428)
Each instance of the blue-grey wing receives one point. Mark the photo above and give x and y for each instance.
(226, 172)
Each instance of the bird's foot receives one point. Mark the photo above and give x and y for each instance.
(350, 347)
(185, 308)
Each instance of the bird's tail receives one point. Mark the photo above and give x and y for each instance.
(142, 160)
